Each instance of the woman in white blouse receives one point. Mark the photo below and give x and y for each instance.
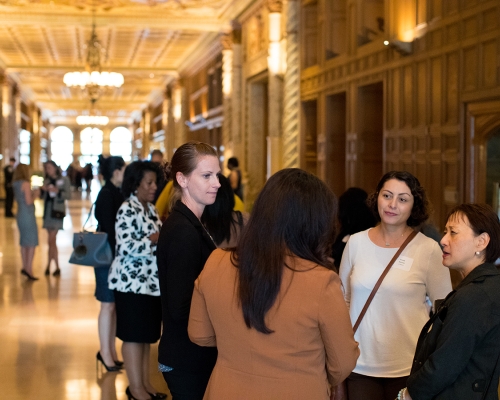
(133, 277)
(389, 331)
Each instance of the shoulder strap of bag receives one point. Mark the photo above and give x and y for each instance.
(88, 217)
(379, 282)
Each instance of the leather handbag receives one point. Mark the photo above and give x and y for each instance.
(58, 208)
(91, 248)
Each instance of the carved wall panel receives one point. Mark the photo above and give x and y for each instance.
(490, 63)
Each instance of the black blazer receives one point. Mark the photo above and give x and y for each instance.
(183, 248)
(107, 204)
(468, 345)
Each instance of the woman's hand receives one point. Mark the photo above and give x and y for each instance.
(154, 237)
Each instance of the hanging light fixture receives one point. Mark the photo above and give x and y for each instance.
(92, 118)
(93, 80)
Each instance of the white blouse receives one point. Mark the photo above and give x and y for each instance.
(389, 331)
(134, 268)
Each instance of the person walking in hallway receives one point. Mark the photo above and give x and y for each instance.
(8, 172)
(235, 176)
(57, 189)
(183, 249)
(26, 221)
(107, 204)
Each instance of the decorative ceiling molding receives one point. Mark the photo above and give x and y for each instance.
(151, 42)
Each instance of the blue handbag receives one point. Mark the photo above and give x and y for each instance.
(91, 248)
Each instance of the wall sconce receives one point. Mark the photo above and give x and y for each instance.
(227, 68)
(6, 108)
(275, 58)
(403, 48)
(177, 104)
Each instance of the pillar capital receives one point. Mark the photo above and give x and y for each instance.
(275, 6)
(226, 41)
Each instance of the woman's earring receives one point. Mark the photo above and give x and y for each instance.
(135, 191)
(477, 253)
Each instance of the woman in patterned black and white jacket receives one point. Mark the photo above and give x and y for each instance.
(133, 276)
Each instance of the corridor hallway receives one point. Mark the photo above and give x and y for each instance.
(48, 328)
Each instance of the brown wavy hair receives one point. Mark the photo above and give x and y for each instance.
(421, 205)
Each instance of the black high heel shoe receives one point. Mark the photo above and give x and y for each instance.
(130, 396)
(119, 363)
(158, 396)
(27, 275)
(109, 369)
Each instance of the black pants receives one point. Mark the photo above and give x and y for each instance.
(187, 385)
(9, 201)
(362, 387)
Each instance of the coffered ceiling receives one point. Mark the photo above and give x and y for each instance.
(151, 42)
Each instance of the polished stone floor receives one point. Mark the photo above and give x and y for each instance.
(48, 328)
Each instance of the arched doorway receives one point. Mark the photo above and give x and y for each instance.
(61, 146)
(120, 143)
(482, 150)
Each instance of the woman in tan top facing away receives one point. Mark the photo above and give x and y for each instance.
(273, 306)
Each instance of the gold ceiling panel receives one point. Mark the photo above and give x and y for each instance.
(146, 40)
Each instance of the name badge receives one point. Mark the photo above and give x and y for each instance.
(403, 263)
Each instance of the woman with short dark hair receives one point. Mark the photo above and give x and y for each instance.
(458, 359)
(273, 306)
(107, 204)
(134, 277)
(388, 333)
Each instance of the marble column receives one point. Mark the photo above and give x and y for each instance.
(275, 88)
(291, 95)
(227, 91)
(181, 114)
(236, 143)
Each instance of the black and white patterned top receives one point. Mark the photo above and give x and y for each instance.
(134, 268)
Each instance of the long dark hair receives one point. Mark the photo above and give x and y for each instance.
(133, 175)
(293, 215)
(219, 217)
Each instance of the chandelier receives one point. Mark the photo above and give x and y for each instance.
(92, 120)
(93, 80)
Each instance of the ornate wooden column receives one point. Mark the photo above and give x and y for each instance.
(291, 95)
(227, 91)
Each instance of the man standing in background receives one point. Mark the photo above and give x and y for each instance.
(9, 191)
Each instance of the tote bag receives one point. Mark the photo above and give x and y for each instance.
(91, 248)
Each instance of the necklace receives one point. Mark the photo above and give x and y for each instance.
(387, 244)
(209, 235)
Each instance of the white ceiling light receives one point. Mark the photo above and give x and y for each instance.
(92, 120)
(93, 80)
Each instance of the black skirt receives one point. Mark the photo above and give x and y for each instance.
(138, 317)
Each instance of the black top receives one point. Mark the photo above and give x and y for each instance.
(9, 174)
(183, 248)
(468, 346)
(108, 202)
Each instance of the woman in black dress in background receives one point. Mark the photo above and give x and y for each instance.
(107, 204)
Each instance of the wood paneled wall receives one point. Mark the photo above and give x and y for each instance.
(454, 62)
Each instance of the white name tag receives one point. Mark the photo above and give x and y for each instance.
(403, 263)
